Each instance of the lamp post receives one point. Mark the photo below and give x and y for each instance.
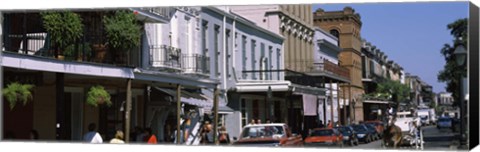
(460, 57)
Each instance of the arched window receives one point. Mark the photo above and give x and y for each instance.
(334, 33)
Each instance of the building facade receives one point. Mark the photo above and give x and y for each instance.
(346, 25)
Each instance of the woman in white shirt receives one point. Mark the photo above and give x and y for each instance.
(118, 138)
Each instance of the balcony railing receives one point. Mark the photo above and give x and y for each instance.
(165, 56)
(324, 67)
(196, 63)
(164, 12)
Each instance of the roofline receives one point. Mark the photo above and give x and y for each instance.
(245, 21)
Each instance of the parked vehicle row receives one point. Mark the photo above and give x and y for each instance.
(279, 135)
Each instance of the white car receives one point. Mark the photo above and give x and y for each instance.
(404, 120)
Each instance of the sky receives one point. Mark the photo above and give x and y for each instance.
(410, 34)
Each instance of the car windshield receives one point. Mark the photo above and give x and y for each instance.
(359, 128)
(321, 133)
(263, 131)
(344, 129)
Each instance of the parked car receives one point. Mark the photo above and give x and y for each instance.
(444, 122)
(362, 133)
(276, 134)
(373, 131)
(324, 136)
(349, 136)
(379, 125)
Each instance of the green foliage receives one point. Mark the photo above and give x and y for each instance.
(63, 27)
(70, 51)
(17, 92)
(122, 30)
(98, 94)
(390, 90)
(451, 72)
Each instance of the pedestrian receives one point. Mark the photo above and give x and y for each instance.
(330, 125)
(92, 136)
(320, 124)
(118, 138)
(150, 138)
(223, 138)
(182, 135)
(268, 121)
(209, 134)
(259, 121)
(34, 134)
(252, 122)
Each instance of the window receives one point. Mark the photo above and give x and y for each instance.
(227, 51)
(278, 63)
(336, 34)
(263, 65)
(270, 66)
(253, 59)
(204, 46)
(216, 53)
(244, 56)
(243, 111)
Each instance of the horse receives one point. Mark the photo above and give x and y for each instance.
(392, 135)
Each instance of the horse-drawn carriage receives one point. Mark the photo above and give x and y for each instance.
(402, 130)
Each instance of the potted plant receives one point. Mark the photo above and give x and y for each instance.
(73, 52)
(17, 92)
(122, 31)
(98, 95)
(64, 28)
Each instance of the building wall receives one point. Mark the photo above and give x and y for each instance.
(298, 33)
(348, 24)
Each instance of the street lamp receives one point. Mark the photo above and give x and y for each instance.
(460, 57)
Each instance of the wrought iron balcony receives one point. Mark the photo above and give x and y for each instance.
(196, 63)
(163, 56)
(324, 68)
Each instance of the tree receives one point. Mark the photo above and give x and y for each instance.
(390, 90)
(451, 72)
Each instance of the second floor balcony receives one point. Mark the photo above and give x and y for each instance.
(163, 57)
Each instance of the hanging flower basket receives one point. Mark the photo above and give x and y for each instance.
(15, 92)
(98, 96)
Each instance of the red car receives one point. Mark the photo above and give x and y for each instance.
(324, 136)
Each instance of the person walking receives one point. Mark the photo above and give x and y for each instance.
(118, 138)
(223, 138)
(150, 138)
(92, 136)
(330, 125)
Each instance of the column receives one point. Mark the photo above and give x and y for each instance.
(352, 112)
(338, 103)
(215, 123)
(60, 107)
(331, 102)
(128, 109)
(179, 107)
(344, 106)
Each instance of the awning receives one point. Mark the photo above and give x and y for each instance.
(223, 109)
(190, 98)
(378, 102)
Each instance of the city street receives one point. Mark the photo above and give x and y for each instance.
(434, 139)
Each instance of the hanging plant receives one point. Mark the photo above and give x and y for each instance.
(98, 95)
(15, 92)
